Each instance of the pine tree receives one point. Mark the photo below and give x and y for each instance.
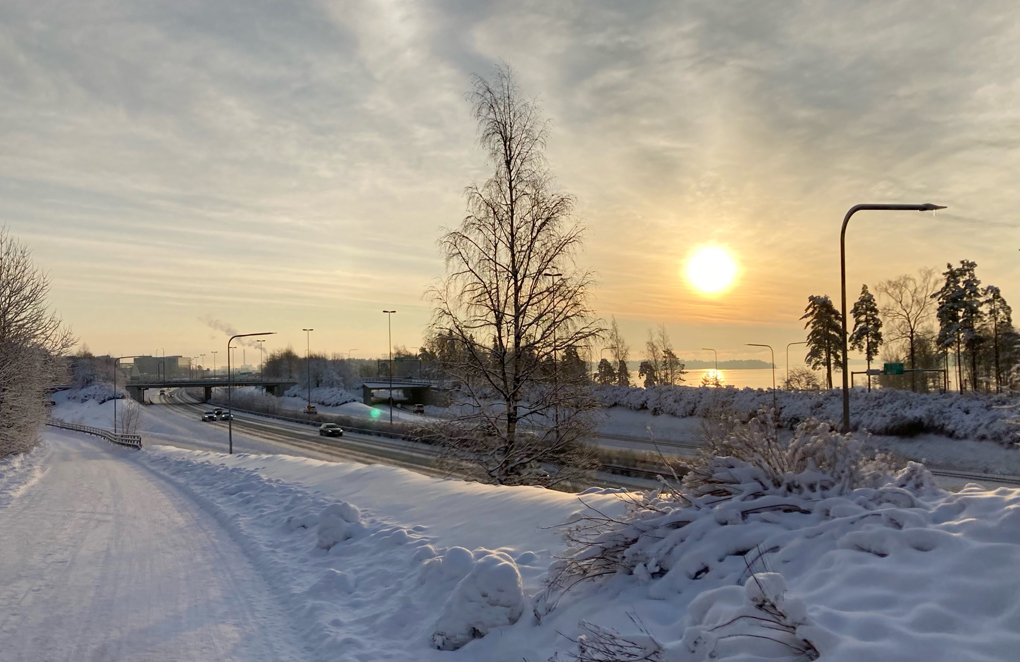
(622, 374)
(825, 335)
(959, 315)
(648, 372)
(606, 375)
(867, 333)
(1000, 318)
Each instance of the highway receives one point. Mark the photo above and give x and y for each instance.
(374, 449)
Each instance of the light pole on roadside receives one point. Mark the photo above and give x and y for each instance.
(262, 359)
(556, 386)
(115, 362)
(802, 342)
(308, 367)
(230, 401)
(775, 408)
(202, 365)
(350, 352)
(842, 284)
(389, 326)
(161, 364)
(709, 349)
(214, 353)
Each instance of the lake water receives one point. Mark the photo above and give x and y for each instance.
(752, 378)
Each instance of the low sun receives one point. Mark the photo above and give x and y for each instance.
(711, 269)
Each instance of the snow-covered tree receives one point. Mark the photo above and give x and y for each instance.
(33, 342)
(867, 333)
(825, 335)
(999, 318)
(959, 315)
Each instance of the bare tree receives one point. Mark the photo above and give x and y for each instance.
(32, 344)
(621, 352)
(512, 302)
(907, 307)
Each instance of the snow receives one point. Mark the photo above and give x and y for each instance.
(101, 559)
(882, 411)
(195, 554)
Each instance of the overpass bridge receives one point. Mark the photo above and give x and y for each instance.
(137, 389)
(416, 391)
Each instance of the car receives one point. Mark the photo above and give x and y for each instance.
(330, 430)
(162, 392)
(419, 409)
(225, 416)
(209, 416)
(217, 411)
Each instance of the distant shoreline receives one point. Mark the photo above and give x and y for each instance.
(732, 364)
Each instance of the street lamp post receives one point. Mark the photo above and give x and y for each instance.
(775, 408)
(230, 401)
(161, 364)
(802, 342)
(308, 367)
(350, 352)
(842, 283)
(202, 364)
(262, 360)
(389, 326)
(709, 349)
(556, 386)
(115, 362)
(214, 353)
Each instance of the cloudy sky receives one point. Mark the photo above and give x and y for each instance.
(181, 168)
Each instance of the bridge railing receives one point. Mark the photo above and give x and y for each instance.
(130, 440)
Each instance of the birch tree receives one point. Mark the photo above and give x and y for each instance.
(513, 299)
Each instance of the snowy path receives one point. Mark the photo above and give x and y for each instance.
(101, 559)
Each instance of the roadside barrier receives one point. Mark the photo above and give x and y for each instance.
(130, 440)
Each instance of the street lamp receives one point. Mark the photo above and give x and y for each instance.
(389, 326)
(214, 353)
(161, 364)
(202, 364)
(709, 349)
(115, 362)
(230, 402)
(262, 360)
(556, 386)
(802, 342)
(775, 409)
(351, 352)
(308, 366)
(842, 283)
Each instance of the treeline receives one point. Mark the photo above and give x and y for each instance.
(32, 343)
(943, 323)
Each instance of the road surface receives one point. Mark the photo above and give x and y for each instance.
(101, 559)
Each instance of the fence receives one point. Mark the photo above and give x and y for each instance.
(131, 440)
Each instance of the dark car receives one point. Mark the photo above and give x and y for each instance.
(225, 416)
(209, 416)
(330, 430)
(217, 411)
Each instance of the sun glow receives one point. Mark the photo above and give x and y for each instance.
(711, 269)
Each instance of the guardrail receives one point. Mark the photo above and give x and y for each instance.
(130, 440)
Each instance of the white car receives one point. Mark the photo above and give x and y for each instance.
(208, 416)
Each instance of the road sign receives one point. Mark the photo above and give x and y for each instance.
(892, 369)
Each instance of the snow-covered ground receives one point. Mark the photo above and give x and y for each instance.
(882, 411)
(374, 562)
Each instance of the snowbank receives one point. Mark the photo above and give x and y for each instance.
(882, 411)
(330, 397)
(382, 563)
(20, 470)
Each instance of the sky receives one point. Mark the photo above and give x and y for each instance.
(186, 168)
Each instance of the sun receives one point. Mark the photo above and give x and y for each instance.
(711, 269)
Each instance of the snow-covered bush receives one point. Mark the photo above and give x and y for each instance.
(338, 522)
(490, 595)
(99, 391)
